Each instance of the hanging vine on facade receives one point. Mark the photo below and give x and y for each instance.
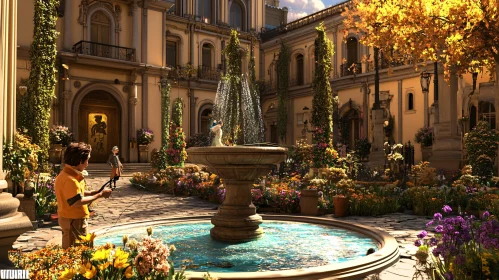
(282, 91)
(165, 113)
(176, 153)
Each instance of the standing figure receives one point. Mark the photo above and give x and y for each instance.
(115, 163)
(217, 131)
(72, 198)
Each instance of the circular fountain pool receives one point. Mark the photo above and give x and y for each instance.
(285, 245)
(292, 247)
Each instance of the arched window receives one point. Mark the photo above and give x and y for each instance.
(473, 117)
(204, 10)
(206, 68)
(206, 53)
(487, 112)
(205, 119)
(352, 57)
(410, 101)
(299, 69)
(236, 16)
(100, 28)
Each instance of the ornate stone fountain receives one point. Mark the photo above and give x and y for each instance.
(238, 167)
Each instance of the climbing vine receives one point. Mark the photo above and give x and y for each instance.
(176, 153)
(282, 91)
(42, 78)
(165, 113)
(322, 119)
(255, 97)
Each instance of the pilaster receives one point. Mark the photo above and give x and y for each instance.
(67, 24)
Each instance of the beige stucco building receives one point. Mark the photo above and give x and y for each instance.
(352, 80)
(113, 53)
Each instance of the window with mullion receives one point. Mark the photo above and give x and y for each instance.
(204, 10)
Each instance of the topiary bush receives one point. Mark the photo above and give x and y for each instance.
(481, 146)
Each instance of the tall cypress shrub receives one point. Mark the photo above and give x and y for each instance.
(322, 104)
(42, 78)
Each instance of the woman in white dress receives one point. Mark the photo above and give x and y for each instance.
(217, 131)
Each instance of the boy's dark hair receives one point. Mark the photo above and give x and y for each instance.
(77, 153)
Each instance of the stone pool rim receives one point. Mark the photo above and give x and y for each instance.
(386, 255)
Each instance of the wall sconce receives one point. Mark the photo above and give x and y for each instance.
(23, 90)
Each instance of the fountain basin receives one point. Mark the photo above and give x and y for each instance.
(238, 167)
(316, 264)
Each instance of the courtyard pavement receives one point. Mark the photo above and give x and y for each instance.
(136, 205)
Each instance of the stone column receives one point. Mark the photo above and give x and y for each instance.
(132, 113)
(66, 110)
(135, 31)
(425, 119)
(145, 103)
(67, 25)
(377, 157)
(447, 145)
(400, 110)
(12, 223)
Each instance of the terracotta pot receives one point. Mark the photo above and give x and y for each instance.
(340, 206)
(308, 202)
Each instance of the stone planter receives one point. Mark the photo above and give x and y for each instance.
(427, 152)
(55, 153)
(62, 153)
(340, 206)
(308, 202)
(143, 153)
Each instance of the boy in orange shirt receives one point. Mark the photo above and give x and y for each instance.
(72, 198)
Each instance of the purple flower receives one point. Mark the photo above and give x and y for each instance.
(485, 215)
(423, 234)
(437, 216)
(459, 260)
(447, 209)
(429, 223)
(417, 243)
(439, 228)
(449, 276)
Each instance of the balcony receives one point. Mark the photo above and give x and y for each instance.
(208, 73)
(104, 50)
(350, 69)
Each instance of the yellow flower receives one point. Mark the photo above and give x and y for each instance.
(125, 239)
(101, 255)
(88, 270)
(103, 266)
(120, 258)
(89, 238)
(128, 272)
(172, 248)
(67, 274)
(149, 231)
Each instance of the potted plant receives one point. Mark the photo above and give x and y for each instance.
(340, 200)
(309, 200)
(363, 148)
(424, 136)
(144, 138)
(59, 136)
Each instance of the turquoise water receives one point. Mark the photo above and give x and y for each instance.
(284, 245)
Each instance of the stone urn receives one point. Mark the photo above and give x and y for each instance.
(55, 153)
(308, 202)
(340, 203)
(143, 153)
(427, 152)
(238, 167)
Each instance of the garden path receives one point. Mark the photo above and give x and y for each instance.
(136, 205)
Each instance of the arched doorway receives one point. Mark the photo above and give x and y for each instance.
(350, 128)
(205, 118)
(99, 123)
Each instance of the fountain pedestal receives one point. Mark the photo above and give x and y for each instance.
(238, 167)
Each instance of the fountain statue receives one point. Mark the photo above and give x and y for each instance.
(238, 166)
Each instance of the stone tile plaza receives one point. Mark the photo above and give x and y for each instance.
(265, 139)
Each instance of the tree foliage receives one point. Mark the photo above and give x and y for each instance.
(459, 33)
(282, 91)
(42, 78)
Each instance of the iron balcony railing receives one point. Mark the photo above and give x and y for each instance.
(350, 69)
(104, 50)
(208, 73)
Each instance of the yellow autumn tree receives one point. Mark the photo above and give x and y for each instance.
(458, 33)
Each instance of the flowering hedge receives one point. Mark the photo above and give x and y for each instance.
(481, 146)
(462, 248)
(146, 259)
